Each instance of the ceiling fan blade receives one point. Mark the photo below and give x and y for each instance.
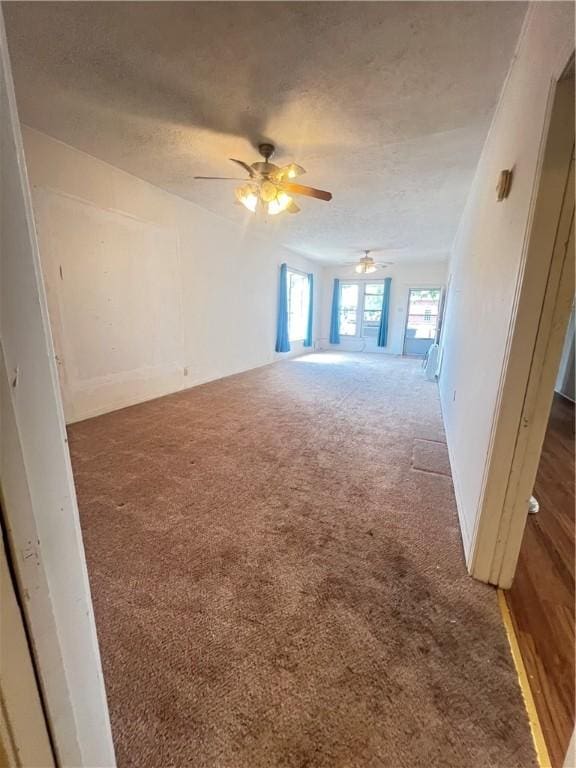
(244, 165)
(293, 208)
(298, 189)
(219, 178)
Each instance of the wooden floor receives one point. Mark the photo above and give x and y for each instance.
(541, 600)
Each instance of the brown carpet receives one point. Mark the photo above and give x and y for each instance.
(276, 583)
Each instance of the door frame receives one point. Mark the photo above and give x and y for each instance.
(38, 498)
(361, 282)
(420, 287)
(24, 736)
(544, 297)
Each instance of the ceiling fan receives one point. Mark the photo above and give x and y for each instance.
(366, 264)
(269, 186)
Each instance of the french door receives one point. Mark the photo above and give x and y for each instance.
(421, 320)
(361, 309)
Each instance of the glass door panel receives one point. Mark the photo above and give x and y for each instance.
(349, 309)
(422, 320)
(372, 309)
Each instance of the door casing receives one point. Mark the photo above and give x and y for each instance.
(24, 736)
(40, 513)
(544, 297)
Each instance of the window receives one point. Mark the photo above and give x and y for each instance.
(373, 294)
(360, 308)
(298, 298)
(348, 309)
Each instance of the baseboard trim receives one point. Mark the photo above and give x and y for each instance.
(83, 414)
(464, 532)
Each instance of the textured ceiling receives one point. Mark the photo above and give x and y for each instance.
(385, 104)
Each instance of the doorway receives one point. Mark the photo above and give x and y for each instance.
(541, 599)
(422, 320)
(545, 293)
(361, 308)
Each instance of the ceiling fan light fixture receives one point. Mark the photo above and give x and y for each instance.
(366, 265)
(269, 188)
(273, 201)
(248, 196)
(293, 170)
(279, 204)
(268, 192)
(365, 269)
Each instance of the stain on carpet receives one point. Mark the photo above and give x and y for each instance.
(274, 584)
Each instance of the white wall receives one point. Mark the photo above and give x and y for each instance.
(404, 277)
(148, 293)
(487, 257)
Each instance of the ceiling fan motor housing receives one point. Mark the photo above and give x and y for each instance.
(264, 169)
(266, 150)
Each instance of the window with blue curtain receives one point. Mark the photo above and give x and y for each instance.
(298, 299)
(282, 333)
(295, 320)
(383, 330)
(335, 315)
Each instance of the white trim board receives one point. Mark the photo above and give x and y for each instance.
(520, 411)
(38, 496)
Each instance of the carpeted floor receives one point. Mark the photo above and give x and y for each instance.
(278, 577)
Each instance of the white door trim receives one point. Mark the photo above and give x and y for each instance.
(525, 391)
(38, 497)
(23, 731)
(538, 399)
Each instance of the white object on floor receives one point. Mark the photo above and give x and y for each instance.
(533, 505)
(432, 362)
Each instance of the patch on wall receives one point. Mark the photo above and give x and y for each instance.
(114, 298)
(430, 456)
(117, 289)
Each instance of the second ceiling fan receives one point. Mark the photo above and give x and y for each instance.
(366, 264)
(269, 186)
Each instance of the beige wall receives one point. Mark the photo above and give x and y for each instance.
(488, 254)
(148, 293)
